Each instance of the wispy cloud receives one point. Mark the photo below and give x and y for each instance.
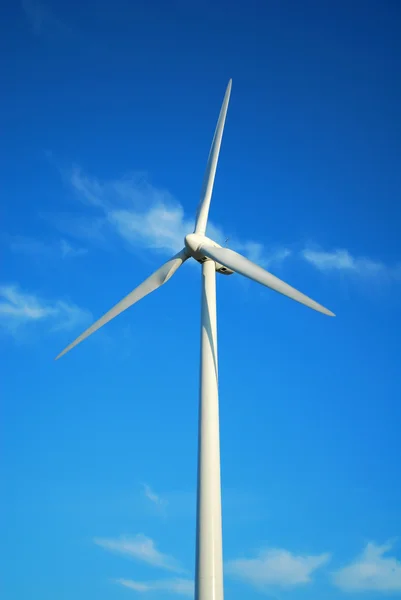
(19, 309)
(69, 251)
(43, 21)
(181, 587)
(147, 216)
(341, 260)
(258, 253)
(152, 496)
(371, 571)
(141, 548)
(276, 567)
(35, 248)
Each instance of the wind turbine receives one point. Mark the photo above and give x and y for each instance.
(213, 258)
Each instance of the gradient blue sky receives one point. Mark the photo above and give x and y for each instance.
(107, 114)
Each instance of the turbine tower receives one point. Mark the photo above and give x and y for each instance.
(213, 258)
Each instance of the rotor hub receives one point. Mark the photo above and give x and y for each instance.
(194, 243)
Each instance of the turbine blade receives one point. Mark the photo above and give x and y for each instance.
(157, 279)
(208, 180)
(234, 261)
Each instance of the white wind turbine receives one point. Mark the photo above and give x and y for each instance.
(213, 257)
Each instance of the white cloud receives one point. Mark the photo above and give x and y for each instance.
(146, 216)
(371, 571)
(69, 251)
(257, 253)
(40, 249)
(161, 227)
(138, 212)
(43, 21)
(140, 548)
(182, 587)
(152, 496)
(276, 567)
(342, 260)
(19, 308)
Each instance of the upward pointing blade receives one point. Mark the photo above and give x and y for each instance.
(157, 279)
(208, 180)
(234, 261)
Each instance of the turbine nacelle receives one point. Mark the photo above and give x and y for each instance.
(194, 243)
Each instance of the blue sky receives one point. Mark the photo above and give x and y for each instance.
(108, 111)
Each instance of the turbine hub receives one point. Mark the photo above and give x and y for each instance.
(194, 242)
